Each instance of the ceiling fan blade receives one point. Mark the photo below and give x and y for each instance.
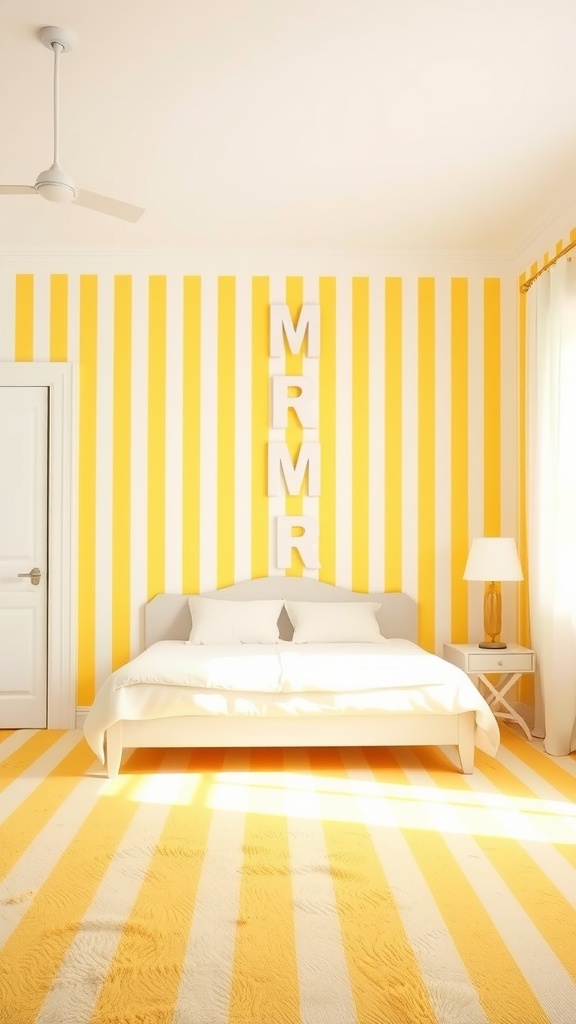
(103, 204)
(16, 190)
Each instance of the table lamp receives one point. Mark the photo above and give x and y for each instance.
(493, 560)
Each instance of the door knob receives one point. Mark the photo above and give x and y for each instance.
(34, 576)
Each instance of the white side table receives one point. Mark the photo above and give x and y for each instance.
(509, 664)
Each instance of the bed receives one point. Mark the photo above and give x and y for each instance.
(325, 690)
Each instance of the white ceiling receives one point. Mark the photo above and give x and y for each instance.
(446, 126)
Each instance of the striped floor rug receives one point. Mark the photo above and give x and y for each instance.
(350, 886)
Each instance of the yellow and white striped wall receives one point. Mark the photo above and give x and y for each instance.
(418, 383)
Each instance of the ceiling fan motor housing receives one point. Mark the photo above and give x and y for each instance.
(55, 185)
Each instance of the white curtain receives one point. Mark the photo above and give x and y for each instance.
(551, 500)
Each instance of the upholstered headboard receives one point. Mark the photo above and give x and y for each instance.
(167, 616)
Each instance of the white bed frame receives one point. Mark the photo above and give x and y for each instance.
(167, 617)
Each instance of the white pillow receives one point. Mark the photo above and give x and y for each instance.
(233, 622)
(317, 622)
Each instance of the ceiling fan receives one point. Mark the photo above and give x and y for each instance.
(54, 184)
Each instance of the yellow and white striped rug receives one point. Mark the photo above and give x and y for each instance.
(285, 886)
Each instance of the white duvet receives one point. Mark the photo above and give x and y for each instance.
(173, 678)
(285, 667)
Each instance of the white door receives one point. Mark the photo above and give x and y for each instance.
(23, 556)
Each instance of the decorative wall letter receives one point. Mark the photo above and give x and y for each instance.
(279, 459)
(306, 543)
(300, 394)
(281, 325)
(305, 404)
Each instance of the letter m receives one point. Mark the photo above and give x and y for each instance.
(281, 326)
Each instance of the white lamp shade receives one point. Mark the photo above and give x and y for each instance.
(494, 559)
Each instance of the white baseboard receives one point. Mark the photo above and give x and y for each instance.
(526, 712)
(81, 717)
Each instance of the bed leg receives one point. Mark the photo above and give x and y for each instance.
(466, 725)
(113, 749)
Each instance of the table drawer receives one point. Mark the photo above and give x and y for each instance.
(499, 661)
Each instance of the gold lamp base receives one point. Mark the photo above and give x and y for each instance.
(492, 618)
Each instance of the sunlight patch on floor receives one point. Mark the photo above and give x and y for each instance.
(431, 794)
(413, 807)
(156, 788)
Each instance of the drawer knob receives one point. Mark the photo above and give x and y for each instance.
(500, 663)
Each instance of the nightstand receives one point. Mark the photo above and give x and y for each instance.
(509, 664)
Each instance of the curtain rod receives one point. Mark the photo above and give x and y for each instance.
(525, 286)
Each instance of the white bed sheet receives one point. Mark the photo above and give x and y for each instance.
(173, 678)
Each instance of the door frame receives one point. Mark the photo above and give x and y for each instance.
(61, 381)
